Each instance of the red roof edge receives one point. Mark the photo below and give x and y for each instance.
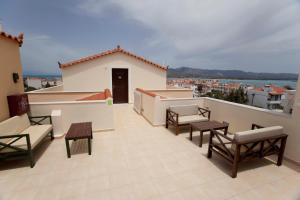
(18, 38)
(109, 52)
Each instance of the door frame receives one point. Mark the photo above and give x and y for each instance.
(129, 80)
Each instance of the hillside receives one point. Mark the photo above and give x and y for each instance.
(187, 72)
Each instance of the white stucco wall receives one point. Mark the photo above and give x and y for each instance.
(260, 99)
(98, 112)
(96, 75)
(240, 117)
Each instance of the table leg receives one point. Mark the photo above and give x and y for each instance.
(90, 146)
(68, 148)
(201, 138)
(191, 133)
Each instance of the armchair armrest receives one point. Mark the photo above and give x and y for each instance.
(256, 126)
(173, 116)
(15, 137)
(204, 111)
(214, 132)
(42, 118)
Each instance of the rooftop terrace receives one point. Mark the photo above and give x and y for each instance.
(140, 161)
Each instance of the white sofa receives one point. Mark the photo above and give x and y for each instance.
(19, 135)
(181, 115)
(257, 142)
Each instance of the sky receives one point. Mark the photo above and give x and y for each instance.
(256, 35)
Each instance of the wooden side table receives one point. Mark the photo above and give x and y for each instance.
(207, 126)
(79, 131)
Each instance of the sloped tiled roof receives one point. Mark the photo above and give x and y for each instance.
(277, 90)
(18, 38)
(99, 96)
(274, 90)
(109, 52)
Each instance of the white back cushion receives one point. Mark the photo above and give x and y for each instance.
(258, 133)
(24, 123)
(9, 127)
(185, 110)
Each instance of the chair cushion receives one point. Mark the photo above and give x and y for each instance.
(185, 110)
(23, 123)
(9, 127)
(258, 133)
(36, 133)
(191, 118)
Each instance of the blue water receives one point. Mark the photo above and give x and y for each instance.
(260, 83)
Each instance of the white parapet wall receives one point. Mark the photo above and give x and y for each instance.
(240, 117)
(153, 106)
(99, 112)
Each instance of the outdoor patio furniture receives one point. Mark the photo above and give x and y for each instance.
(79, 131)
(257, 142)
(183, 115)
(205, 126)
(20, 135)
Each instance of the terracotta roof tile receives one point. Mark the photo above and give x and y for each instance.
(277, 90)
(18, 38)
(98, 96)
(109, 52)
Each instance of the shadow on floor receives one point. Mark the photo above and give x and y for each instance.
(79, 146)
(23, 161)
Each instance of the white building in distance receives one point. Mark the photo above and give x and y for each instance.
(268, 97)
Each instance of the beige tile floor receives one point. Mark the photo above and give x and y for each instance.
(138, 162)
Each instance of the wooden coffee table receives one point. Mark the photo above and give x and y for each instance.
(79, 131)
(207, 126)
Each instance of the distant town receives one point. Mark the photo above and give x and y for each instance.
(38, 82)
(268, 96)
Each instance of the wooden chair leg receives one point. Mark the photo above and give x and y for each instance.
(281, 151)
(52, 135)
(236, 161)
(209, 153)
(177, 130)
(167, 125)
(30, 159)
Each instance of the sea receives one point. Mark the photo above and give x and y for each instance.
(256, 83)
(261, 83)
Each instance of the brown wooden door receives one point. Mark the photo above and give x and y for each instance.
(120, 85)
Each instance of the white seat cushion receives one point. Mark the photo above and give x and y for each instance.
(258, 133)
(185, 110)
(191, 118)
(36, 133)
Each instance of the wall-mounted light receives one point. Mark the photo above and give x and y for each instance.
(15, 77)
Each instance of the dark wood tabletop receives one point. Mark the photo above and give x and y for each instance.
(79, 130)
(208, 125)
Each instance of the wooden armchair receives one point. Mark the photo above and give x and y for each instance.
(184, 115)
(255, 143)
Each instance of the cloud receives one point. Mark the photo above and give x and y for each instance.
(218, 32)
(40, 54)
